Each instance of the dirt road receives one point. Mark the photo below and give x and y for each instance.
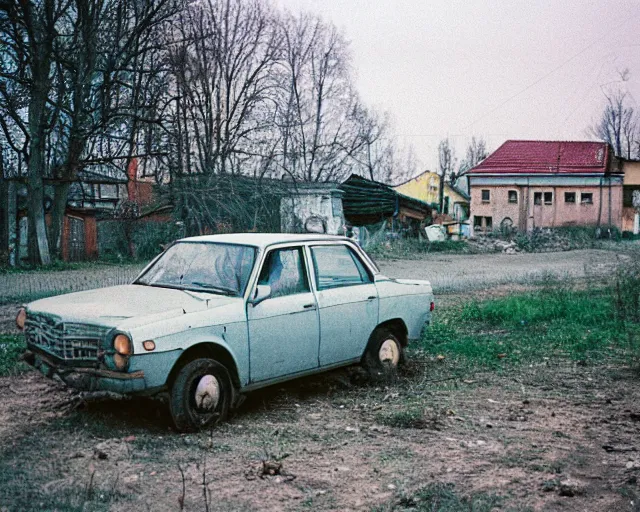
(459, 272)
(447, 272)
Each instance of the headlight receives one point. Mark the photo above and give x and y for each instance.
(21, 318)
(122, 344)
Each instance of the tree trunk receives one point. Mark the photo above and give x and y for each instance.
(60, 196)
(38, 242)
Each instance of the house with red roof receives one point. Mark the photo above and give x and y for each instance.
(527, 184)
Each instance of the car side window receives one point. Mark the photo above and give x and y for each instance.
(283, 270)
(336, 265)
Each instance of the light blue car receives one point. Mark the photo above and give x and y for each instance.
(214, 317)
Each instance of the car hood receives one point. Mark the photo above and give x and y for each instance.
(112, 305)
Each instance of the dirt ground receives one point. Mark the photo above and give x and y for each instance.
(556, 436)
(546, 438)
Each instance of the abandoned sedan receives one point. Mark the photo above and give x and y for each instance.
(213, 317)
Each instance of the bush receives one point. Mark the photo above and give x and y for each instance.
(565, 238)
(148, 238)
(11, 349)
(626, 289)
(408, 248)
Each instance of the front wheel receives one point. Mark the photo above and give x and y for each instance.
(383, 355)
(201, 395)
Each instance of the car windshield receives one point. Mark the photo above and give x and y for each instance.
(210, 267)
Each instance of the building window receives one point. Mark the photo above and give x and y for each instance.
(548, 197)
(486, 196)
(513, 196)
(537, 198)
(586, 198)
(482, 224)
(488, 221)
(569, 197)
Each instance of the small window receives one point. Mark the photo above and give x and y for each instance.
(513, 196)
(586, 198)
(548, 198)
(488, 223)
(569, 197)
(284, 271)
(477, 221)
(537, 198)
(486, 196)
(336, 265)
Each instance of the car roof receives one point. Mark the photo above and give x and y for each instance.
(264, 239)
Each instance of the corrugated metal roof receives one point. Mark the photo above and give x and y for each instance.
(546, 157)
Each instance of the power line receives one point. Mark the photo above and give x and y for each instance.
(593, 43)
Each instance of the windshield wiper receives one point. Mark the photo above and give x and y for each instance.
(216, 289)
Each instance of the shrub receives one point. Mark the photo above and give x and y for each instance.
(11, 349)
(626, 289)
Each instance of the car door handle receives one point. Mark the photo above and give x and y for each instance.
(372, 297)
(309, 306)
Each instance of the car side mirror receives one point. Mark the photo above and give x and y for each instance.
(263, 291)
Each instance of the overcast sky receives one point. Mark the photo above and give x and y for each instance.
(507, 69)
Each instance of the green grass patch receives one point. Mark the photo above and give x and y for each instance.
(407, 418)
(554, 322)
(11, 349)
(438, 497)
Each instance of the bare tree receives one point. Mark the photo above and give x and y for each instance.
(28, 34)
(320, 112)
(223, 57)
(476, 153)
(619, 125)
(104, 63)
(446, 165)
(71, 88)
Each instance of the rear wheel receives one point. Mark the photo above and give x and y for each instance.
(383, 354)
(201, 395)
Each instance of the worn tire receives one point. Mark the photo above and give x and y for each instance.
(376, 358)
(193, 401)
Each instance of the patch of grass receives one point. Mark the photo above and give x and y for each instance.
(554, 322)
(407, 418)
(410, 248)
(438, 497)
(11, 349)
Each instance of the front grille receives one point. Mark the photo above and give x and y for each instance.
(68, 341)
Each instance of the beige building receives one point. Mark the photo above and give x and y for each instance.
(531, 184)
(630, 184)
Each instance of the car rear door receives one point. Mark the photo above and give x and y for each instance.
(284, 328)
(347, 302)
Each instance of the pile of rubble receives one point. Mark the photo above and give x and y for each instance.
(539, 240)
(483, 244)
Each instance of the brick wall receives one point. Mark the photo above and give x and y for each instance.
(526, 214)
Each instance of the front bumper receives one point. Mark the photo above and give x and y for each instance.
(87, 379)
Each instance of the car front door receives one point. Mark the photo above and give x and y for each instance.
(283, 329)
(347, 303)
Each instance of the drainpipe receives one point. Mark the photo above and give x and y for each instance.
(599, 209)
(610, 218)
